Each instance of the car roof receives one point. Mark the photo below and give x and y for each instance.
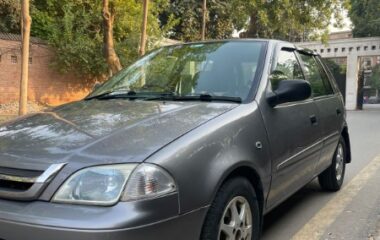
(228, 40)
(273, 41)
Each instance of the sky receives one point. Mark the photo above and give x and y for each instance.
(347, 24)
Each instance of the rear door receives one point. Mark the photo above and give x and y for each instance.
(293, 129)
(329, 104)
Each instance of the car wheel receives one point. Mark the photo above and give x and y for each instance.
(234, 214)
(332, 178)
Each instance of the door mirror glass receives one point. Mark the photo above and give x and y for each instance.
(289, 91)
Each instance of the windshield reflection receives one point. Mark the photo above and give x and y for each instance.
(216, 69)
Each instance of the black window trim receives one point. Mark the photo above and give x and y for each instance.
(259, 73)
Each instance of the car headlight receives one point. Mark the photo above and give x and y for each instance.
(106, 185)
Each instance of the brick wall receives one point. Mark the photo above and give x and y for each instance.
(45, 85)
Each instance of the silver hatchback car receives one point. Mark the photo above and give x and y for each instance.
(192, 141)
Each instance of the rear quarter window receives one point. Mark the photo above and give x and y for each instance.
(316, 75)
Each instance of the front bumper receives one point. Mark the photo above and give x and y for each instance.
(185, 227)
(126, 221)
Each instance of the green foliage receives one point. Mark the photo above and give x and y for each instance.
(186, 16)
(74, 29)
(365, 17)
(292, 20)
(10, 16)
(375, 78)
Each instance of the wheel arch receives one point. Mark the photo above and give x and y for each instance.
(253, 177)
(346, 138)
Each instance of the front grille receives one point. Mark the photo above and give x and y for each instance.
(12, 179)
(14, 186)
(20, 172)
(21, 184)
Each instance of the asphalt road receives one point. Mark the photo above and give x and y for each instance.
(352, 213)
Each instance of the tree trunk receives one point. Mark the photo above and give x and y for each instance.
(204, 19)
(26, 22)
(109, 52)
(252, 31)
(144, 27)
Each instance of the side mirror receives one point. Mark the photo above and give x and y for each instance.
(290, 91)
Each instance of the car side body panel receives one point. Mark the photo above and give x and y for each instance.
(331, 121)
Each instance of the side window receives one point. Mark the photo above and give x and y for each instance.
(325, 78)
(287, 68)
(313, 74)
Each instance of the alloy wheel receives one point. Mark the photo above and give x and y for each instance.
(339, 162)
(236, 222)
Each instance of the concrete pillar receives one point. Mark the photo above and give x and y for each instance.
(352, 81)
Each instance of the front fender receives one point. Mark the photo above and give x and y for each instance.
(202, 159)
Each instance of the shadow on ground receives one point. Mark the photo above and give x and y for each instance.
(292, 205)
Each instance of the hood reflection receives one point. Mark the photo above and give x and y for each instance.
(113, 129)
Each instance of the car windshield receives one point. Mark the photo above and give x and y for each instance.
(220, 69)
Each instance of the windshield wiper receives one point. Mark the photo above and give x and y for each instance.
(114, 94)
(133, 95)
(170, 96)
(200, 97)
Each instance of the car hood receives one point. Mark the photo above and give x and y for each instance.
(100, 131)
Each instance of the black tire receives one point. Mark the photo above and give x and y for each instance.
(329, 179)
(232, 189)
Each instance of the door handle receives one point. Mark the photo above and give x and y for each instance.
(338, 112)
(313, 120)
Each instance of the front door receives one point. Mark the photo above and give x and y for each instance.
(294, 132)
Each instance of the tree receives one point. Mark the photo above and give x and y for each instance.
(291, 20)
(10, 15)
(186, 17)
(109, 52)
(74, 29)
(143, 27)
(26, 22)
(204, 19)
(365, 17)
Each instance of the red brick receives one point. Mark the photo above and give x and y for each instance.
(45, 85)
